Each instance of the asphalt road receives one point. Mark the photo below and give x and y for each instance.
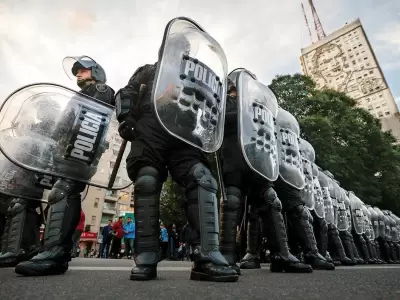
(109, 279)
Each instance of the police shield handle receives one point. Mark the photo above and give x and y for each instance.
(142, 90)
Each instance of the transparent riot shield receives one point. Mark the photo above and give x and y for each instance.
(393, 229)
(369, 231)
(290, 165)
(342, 221)
(324, 181)
(319, 207)
(381, 223)
(307, 155)
(374, 220)
(53, 130)
(387, 221)
(189, 92)
(21, 183)
(257, 111)
(357, 214)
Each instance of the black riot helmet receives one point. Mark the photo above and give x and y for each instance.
(232, 77)
(72, 64)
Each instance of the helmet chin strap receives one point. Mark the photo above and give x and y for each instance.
(84, 82)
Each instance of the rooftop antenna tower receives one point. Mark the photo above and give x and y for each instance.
(318, 26)
(308, 26)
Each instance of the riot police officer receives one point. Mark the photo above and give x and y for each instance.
(161, 125)
(65, 198)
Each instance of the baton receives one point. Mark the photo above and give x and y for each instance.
(221, 183)
(123, 145)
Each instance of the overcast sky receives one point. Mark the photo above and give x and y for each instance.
(265, 36)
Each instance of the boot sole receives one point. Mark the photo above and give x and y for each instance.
(197, 276)
(138, 277)
(31, 272)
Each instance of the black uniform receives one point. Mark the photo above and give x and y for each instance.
(154, 153)
(241, 181)
(64, 211)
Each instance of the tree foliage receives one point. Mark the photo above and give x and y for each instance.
(171, 204)
(348, 141)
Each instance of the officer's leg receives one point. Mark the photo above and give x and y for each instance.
(320, 228)
(234, 171)
(21, 239)
(148, 185)
(63, 216)
(252, 258)
(355, 250)
(337, 246)
(298, 219)
(275, 230)
(346, 237)
(366, 255)
(188, 167)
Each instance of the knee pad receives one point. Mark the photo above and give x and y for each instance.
(272, 200)
(17, 206)
(234, 197)
(323, 227)
(310, 217)
(147, 181)
(300, 211)
(65, 188)
(201, 177)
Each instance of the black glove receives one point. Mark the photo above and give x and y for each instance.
(126, 128)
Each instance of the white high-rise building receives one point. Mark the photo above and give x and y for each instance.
(345, 61)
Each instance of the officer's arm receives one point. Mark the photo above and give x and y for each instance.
(127, 97)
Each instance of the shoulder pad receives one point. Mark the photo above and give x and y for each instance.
(101, 87)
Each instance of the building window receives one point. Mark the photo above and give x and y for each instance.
(371, 72)
(378, 106)
(384, 104)
(370, 107)
(357, 53)
(96, 202)
(380, 114)
(93, 220)
(387, 113)
(112, 164)
(360, 45)
(365, 58)
(363, 51)
(354, 62)
(365, 75)
(367, 99)
(380, 95)
(368, 64)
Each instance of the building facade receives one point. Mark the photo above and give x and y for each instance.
(345, 61)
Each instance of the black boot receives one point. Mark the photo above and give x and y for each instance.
(378, 252)
(338, 247)
(252, 258)
(230, 215)
(346, 237)
(21, 238)
(385, 250)
(360, 261)
(321, 235)
(209, 264)
(147, 214)
(63, 217)
(371, 250)
(299, 220)
(274, 227)
(393, 253)
(363, 249)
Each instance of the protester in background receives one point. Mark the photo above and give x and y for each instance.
(173, 241)
(77, 234)
(129, 237)
(164, 240)
(117, 235)
(105, 245)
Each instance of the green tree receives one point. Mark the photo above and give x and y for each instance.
(348, 141)
(171, 203)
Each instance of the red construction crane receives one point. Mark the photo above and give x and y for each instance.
(318, 26)
(308, 26)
